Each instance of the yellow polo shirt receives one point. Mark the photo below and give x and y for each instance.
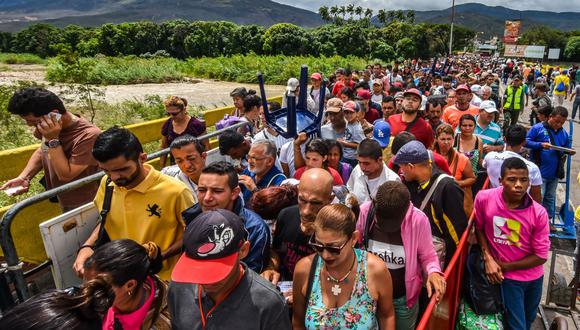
(150, 212)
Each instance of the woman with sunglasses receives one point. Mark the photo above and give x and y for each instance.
(179, 123)
(459, 164)
(340, 287)
(400, 235)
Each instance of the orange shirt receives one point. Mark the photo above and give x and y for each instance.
(451, 114)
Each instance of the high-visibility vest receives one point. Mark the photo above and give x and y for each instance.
(516, 98)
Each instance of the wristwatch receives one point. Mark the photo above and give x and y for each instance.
(52, 143)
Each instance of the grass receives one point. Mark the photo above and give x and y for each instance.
(21, 58)
(118, 71)
(238, 68)
(276, 69)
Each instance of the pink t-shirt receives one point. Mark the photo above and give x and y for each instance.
(513, 234)
(134, 320)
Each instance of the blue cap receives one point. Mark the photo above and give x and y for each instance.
(382, 133)
(413, 152)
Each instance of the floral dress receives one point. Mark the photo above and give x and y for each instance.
(357, 313)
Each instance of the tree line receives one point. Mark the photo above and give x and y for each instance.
(397, 37)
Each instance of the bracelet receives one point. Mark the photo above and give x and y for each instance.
(86, 246)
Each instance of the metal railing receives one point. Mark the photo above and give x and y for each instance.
(12, 272)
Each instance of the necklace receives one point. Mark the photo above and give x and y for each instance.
(336, 290)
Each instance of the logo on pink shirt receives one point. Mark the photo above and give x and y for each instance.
(506, 231)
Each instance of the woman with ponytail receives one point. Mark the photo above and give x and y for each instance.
(68, 309)
(139, 294)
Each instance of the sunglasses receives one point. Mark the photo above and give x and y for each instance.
(319, 248)
(173, 114)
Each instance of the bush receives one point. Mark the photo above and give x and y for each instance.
(22, 58)
(276, 69)
(572, 51)
(117, 70)
(238, 68)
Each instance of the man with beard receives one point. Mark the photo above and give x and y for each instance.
(409, 121)
(145, 205)
(295, 224)
(462, 106)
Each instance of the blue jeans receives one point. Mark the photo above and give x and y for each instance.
(521, 301)
(575, 107)
(549, 196)
(405, 318)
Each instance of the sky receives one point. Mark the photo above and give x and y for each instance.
(557, 6)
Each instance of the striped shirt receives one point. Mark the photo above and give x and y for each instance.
(489, 135)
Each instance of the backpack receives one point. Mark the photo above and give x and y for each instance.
(227, 121)
(561, 87)
(483, 297)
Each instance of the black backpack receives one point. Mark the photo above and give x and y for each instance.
(484, 298)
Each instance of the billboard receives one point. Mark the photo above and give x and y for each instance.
(524, 51)
(511, 31)
(554, 53)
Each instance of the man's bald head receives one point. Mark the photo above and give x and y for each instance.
(316, 179)
(314, 192)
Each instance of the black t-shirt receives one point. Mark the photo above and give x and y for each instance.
(289, 241)
(389, 247)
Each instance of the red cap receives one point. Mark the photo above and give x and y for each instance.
(211, 245)
(316, 76)
(413, 91)
(364, 94)
(463, 87)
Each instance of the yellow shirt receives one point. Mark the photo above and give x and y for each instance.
(566, 81)
(150, 212)
(577, 213)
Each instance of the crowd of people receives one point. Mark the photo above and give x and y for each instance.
(351, 228)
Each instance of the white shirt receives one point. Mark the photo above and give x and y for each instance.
(493, 161)
(279, 140)
(310, 104)
(175, 172)
(360, 186)
(315, 94)
(377, 98)
(287, 156)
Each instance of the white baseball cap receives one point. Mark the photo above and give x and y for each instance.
(488, 106)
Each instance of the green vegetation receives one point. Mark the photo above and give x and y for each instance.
(115, 70)
(22, 58)
(552, 38)
(182, 39)
(238, 68)
(276, 69)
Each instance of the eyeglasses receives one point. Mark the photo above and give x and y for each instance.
(256, 159)
(173, 114)
(319, 248)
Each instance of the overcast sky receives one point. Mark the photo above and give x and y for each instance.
(558, 6)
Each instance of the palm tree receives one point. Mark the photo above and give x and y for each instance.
(411, 16)
(359, 11)
(369, 13)
(334, 13)
(390, 16)
(400, 15)
(382, 16)
(342, 11)
(323, 12)
(350, 10)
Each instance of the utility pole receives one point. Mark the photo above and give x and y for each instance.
(451, 34)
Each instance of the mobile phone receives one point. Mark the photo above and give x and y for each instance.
(56, 115)
(11, 191)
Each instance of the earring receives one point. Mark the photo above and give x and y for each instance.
(129, 293)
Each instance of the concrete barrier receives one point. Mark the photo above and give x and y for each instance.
(25, 227)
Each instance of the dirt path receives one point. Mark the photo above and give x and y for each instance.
(201, 92)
